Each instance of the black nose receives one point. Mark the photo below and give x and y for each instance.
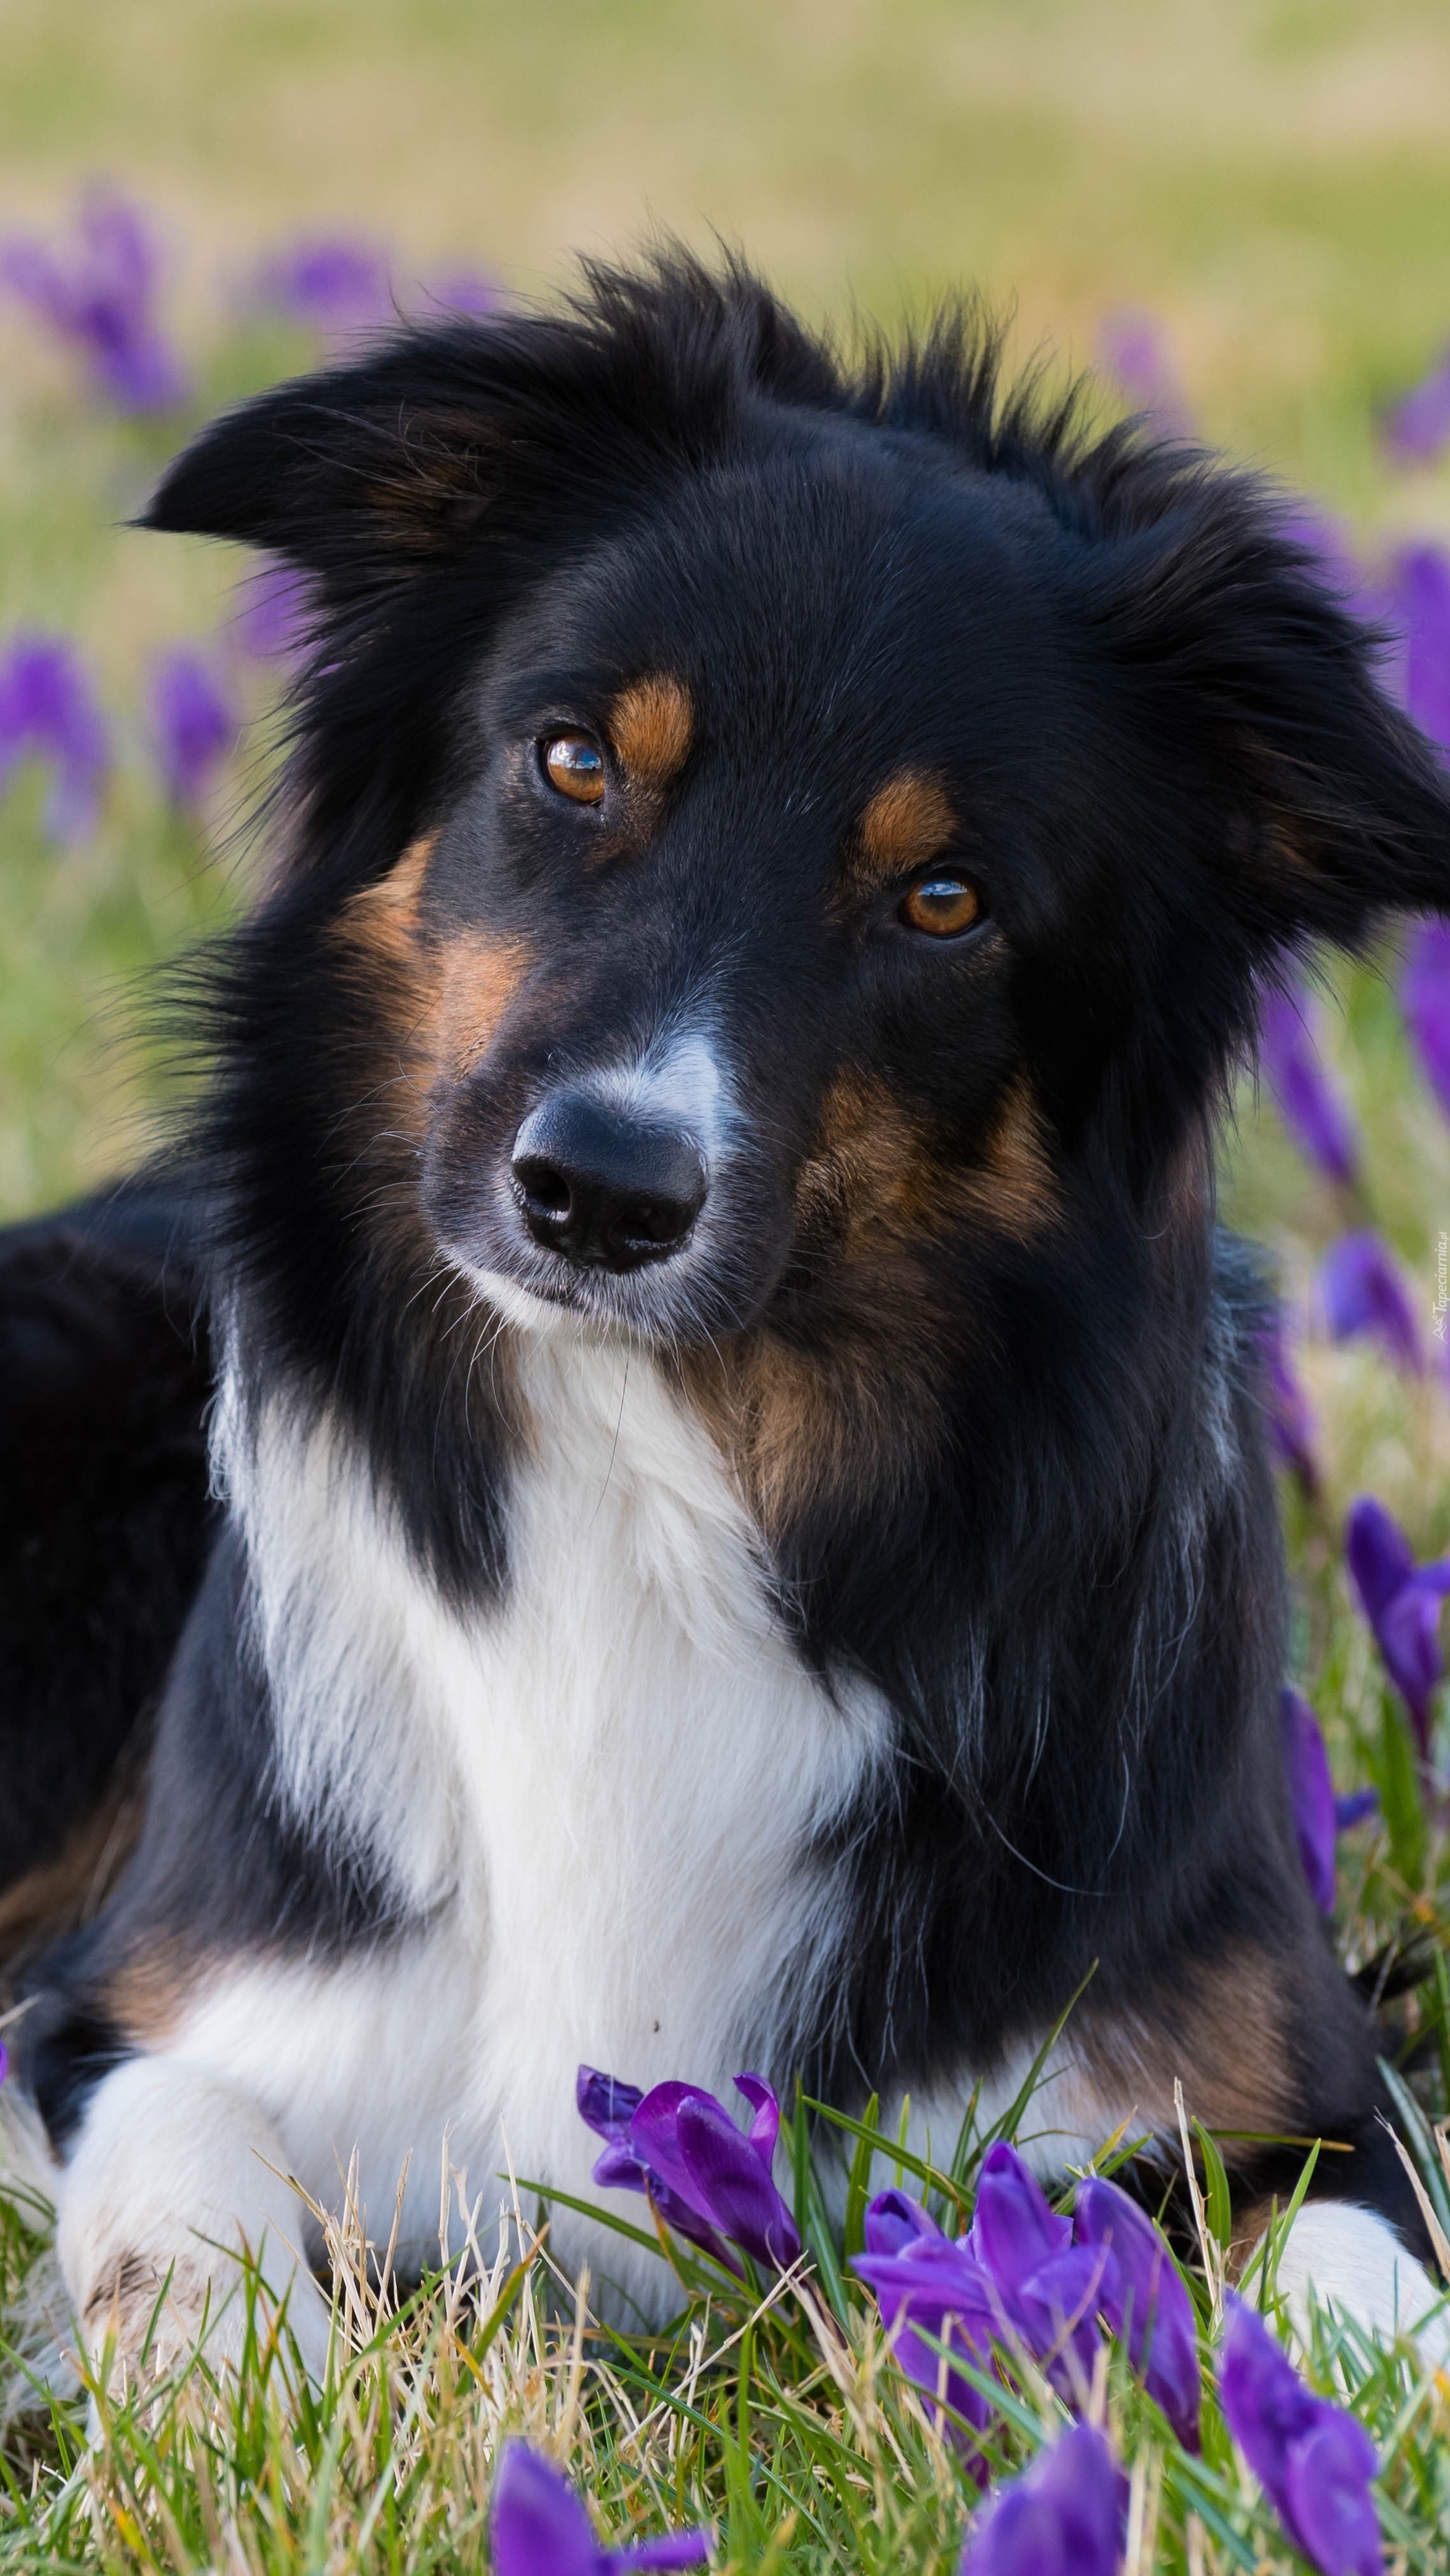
(602, 1188)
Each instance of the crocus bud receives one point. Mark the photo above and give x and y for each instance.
(1144, 2300)
(538, 2527)
(1065, 2516)
(1314, 2462)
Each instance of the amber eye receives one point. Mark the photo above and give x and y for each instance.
(941, 906)
(575, 765)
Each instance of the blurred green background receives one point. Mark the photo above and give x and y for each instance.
(1270, 178)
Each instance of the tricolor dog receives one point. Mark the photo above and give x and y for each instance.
(743, 1536)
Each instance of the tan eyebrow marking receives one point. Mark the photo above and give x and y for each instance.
(904, 824)
(651, 725)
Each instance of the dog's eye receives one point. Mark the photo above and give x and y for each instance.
(941, 905)
(575, 765)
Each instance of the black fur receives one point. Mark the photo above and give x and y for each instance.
(1171, 766)
(104, 1518)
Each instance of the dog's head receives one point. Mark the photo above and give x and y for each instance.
(772, 831)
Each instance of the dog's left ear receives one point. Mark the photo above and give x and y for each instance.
(1260, 690)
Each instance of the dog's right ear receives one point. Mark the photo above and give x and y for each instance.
(522, 429)
(377, 470)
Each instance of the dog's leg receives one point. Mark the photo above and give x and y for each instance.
(1350, 2259)
(172, 2178)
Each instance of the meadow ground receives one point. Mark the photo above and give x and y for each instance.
(1273, 183)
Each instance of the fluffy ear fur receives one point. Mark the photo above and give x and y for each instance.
(1255, 681)
(506, 431)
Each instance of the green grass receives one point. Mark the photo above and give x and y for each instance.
(771, 2412)
(1271, 177)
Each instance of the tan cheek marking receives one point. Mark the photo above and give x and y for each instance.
(873, 1174)
(439, 1002)
(381, 922)
(477, 979)
(651, 725)
(1014, 1190)
(903, 827)
(868, 1167)
(858, 1416)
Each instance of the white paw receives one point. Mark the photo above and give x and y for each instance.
(1351, 2260)
(174, 2183)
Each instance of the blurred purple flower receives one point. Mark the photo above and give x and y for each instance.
(270, 621)
(330, 282)
(1419, 604)
(193, 726)
(465, 290)
(681, 2146)
(47, 707)
(1314, 2462)
(538, 2527)
(1143, 2299)
(935, 2300)
(1065, 2516)
(1134, 348)
(1331, 546)
(1418, 426)
(1425, 999)
(1311, 1794)
(1049, 2288)
(1354, 1807)
(1362, 1290)
(98, 293)
(1308, 1100)
(1401, 1601)
(1291, 1425)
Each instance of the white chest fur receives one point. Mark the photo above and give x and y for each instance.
(601, 1795)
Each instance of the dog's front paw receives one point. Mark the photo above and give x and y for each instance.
(144, 2321)
(179, 2234)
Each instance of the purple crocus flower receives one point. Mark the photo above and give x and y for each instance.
(1143, 2299)
(47, 707)
(1291, 1425)
(680, 2145)
(1065, 2516)
(538, 2527)
(934, 2299)
(466, 290)
(1354, 1807)
(193, 725)
(1311, 1794)
(330, 282)
(98, 294)
(1425, 999)
(1048, 2287)
(1419, 424)
(894, 2221)
(269, 624)
(1311, 1105)
(1401, 1601)
(1362, 1289)
(1134, 348)
(1419, 603)
(1314, 2462)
